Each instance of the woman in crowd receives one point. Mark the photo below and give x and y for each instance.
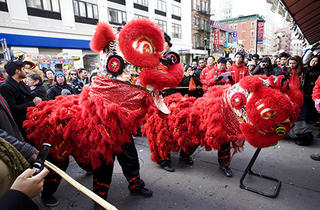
(48, 80)
(35, 83)
(264, 67)
(311, 75)
(229, 63)
(295, 71)
(60, 84)
(74, 80)
(191, 81)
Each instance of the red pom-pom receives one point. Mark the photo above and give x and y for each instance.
(238, 100)
(103, 35)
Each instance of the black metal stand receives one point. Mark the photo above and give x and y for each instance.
(248, 170)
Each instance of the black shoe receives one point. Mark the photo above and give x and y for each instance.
(168, 168)
(186, 160)
(49, 201)
(141, 191)
(226, 170)
(315, 157)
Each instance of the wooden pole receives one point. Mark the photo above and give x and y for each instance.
(80, 187)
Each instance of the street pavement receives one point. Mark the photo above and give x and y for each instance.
(203, 186)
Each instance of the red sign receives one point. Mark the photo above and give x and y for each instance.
(216, 38)
(260, 32)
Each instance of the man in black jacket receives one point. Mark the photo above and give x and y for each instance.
(17, 93)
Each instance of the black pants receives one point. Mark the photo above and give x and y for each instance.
(183, 155)
(129, 162)
(224, 155)
(102, 176)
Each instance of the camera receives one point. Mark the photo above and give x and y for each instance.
(42, 156)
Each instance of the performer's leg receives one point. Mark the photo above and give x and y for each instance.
(224, 159)
(51, 183)
(102, 179)
(185, 156)
(166, 164)
(129, 162)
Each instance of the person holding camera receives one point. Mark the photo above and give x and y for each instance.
(264, 67)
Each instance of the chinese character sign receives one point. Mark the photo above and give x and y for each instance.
(216, 38)
(260, 32)
(233, 36)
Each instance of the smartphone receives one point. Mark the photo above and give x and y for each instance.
(42, 156)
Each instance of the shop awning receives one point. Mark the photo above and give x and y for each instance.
(306, 13)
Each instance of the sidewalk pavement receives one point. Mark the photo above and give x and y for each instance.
(203, 186)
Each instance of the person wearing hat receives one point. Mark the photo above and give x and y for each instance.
(251, 66)
(60, 83)
(238, 70)
(31, 68)
(17, 93)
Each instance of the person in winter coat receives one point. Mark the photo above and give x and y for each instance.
(238, 70)
(190, 79)
(49, 79)
(60, 84)
(282, 68)
(17, 93)
(219, 75)
(264, 67)
(35, 83)
(295, 70)
(74, 80)
(311, 75)
(205, 72)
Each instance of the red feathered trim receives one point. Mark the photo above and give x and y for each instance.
(251, 83)
(159, 79)
(103, 35)
(90, 126)
(141, 29)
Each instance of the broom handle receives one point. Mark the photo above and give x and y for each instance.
(80, 187)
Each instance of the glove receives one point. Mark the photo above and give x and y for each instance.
(218, 78)
(230, 78)
(317, 105)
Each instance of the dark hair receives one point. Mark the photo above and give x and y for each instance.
(12, 66)
(94, 73)
(230, 61)
(298, 59)
(284, 54)
(186, 67)
(315, 56)
(48, 70)
(81, 70)
(35, 77)
(239, 53)
(222, 60)
(255, 55)
(61, 74)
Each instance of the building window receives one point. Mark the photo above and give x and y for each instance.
(198, 5)
(176, 30)
(252, 24)
(162, 5)
(44, 8)
(176, 10)
(251, 43)
(137, 16)
(162, 24)
(3, 6)
(252, 33)
(141, 2)
(123, 2)
(49, 5)
(85, 12)
(116, 16)
(235, 27)
(202, 24)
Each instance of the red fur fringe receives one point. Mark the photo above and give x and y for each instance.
(316, 90)
(87, 126)
(161, 80)
(103, 35)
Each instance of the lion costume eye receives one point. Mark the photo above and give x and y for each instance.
(266, 113)
(143, 45)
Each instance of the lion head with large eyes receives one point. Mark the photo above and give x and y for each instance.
(133, 53)
(265, 108)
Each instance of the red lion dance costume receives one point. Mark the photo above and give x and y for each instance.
(258, 109)
(94, 125)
